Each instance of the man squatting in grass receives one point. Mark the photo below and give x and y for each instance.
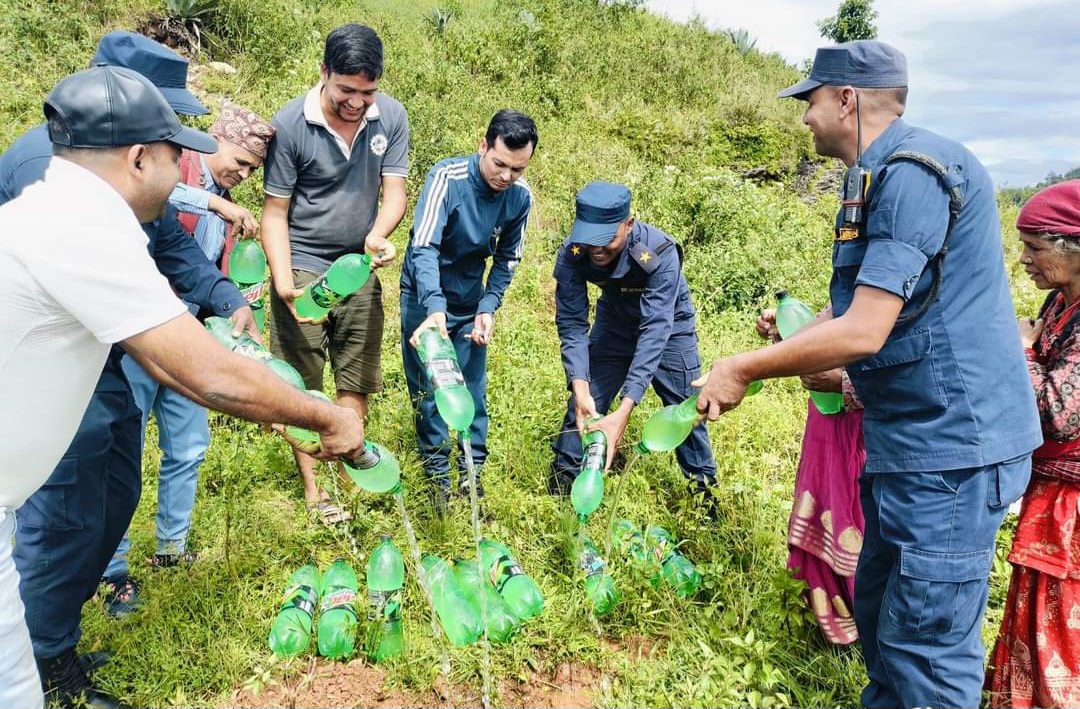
(644, 332)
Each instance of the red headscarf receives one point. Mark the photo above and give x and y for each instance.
(1054, 210)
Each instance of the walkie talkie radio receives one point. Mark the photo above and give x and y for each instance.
(853, 192)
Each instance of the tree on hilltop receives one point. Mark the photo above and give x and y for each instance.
(853, 20)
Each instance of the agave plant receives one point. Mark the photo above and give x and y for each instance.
(184, 20)
(439, 20)
(743, 40)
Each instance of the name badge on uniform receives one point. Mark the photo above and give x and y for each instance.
(846, 233)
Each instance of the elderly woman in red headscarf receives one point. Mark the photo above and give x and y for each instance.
(1036, 661)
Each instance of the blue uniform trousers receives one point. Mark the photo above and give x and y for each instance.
(432, 434)
(921, 584)
(68, 529)
(610, 356)
(183, 437)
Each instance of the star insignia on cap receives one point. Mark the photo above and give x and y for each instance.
(644, 256)
(575, 250)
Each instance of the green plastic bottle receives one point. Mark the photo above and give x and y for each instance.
(518, 590)
(385, 579)
(377, 470)
(247, 269)
(501, 621)
(599, 586)
(792, 314)
(587, 492)
(337, 612)
(222, 330)
(459, 617)
(344, 277)
(452, 398)
(676, 570)
(668, 428)
(627, 539)
(290, 633)
(302, 434)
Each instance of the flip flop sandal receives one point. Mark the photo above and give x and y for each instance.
(329, 513)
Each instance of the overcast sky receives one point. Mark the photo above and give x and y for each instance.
(1003, 76)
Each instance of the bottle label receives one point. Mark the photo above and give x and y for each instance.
(253, 293)
(252, 350)
(504, 569)
(321, 294)
(445, 373)
(591, 563)
(662, 552)
(595, 457)
(302, 597)
(341, 598)
(387, 605)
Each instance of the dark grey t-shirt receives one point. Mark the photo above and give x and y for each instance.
(333, 188)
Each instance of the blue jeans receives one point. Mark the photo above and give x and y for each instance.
(68, 530)
(183, 437)
(922, 580)
(432, 434)
(609, 362)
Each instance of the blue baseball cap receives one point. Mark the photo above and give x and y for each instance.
(164, 68)
(110, 106)
(601, 207)
(865, 64)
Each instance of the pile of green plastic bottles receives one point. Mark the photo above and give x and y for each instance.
(510, 594)
(332, 596)
(656, 554)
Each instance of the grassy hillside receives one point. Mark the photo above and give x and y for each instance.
(674, 111)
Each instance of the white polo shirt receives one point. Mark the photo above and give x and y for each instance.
(76, 278)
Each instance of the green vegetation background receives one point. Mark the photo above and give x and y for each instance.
(677, 112)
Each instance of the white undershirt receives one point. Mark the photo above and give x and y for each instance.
(75, 277)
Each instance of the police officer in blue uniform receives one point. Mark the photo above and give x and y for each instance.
(924, 323)
(471, 209)
(644, 331)
(69, 529)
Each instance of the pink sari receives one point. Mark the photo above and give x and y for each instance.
(825, 531)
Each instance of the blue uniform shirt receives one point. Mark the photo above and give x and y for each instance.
(175, 253)
(459, 223)
(949, 390)
(644, 302)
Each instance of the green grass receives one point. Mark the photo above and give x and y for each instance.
(674, 111)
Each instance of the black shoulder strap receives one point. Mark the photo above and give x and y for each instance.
(952, 184)
(668, 243)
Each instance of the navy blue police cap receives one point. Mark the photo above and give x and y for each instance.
(601, 207)
(166, 69)
(865, 64)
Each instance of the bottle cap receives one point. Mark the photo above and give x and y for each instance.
(781, 294)
(384, 537)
